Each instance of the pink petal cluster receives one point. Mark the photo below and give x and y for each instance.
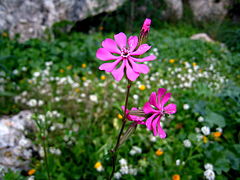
(155, 107)
(122, 53)
(136, 119)
(146, 26)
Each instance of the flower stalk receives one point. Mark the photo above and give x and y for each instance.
(124, 120)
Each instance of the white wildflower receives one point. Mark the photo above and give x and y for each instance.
(186, 106)
(123, 162)
(178, 162)
(36, 74)
(209, 174)
(200, 119)
(208, 166)
(205, 130)
(117, 175)
(32, 102)
(219, 129)
(152, 138)
(93, 98)
(187, 143)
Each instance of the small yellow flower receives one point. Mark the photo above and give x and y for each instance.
(84, 78)
(205, 139)
(4, 34)
(84, 65)
(194, 64)
(142, 87)
(30, 82)
(176, 177)
(103, 77)
(171, 61)
(7, 154)
(119, 116)
(97, 165)
(69, 67)
(77, 90)
(100, 28)
(159, 152)
(216, 134)
(31, 172)
(61, 70)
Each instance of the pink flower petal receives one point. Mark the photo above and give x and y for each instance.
(154, 126)
(132, 43)
(121, 39)
(148, 58)
(105, 55)
(147, 108)
(139, 68)
(161, 132)
(118, 73)
(131, 75)
(109, 67)
(141, 50)
(149, 121)
(165, 98)
(170, 109)
(111, 46)
(161, 92)
(153, 99)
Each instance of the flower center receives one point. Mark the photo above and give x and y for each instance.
(125, 52)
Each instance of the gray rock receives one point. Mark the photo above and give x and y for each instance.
(30, 18)
(201, 36)
(174, 10)
(15, 148)
(209, 10)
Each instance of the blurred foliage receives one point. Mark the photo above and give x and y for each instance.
(98, 123)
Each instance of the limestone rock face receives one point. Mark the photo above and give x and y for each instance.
(209, 10)
(30, 18)
(15, 148)
(174, 10)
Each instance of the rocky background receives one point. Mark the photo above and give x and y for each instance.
(31, 18)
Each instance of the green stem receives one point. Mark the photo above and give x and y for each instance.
(114, 150)
(46, 157)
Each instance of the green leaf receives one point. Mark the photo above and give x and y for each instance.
(215, 119)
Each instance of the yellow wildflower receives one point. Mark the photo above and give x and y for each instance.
(77, 90)
(69, 67)
(159, 152)
(171, 61)
(103, 77)
(216, 134)
(98, 166)
(194, 64)
(205, 139)
(61, 70)
(84, 78)
(176, 177)
(142, 87)
(119, 116)
(4, 34)
(31, 172)
(84, 65)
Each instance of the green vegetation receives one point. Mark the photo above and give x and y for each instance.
(202, 77)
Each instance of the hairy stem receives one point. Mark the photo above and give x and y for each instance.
(114, 150)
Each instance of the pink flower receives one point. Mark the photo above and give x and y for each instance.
(146, 25)
(155, 107)
(124, 60)
(136, 119)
